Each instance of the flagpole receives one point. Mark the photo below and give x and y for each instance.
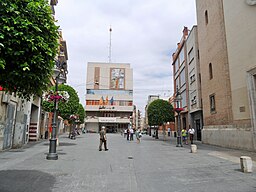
(109, 56)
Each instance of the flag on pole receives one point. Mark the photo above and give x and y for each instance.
(112, 101)
(106, 102)
(101, 101)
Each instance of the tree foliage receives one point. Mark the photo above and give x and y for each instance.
(81, 113)
(65, 109)
(28, 46)
(160, 112)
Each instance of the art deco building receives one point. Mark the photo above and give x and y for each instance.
(109, 96)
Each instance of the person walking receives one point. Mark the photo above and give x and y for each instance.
(169, 131)
(131, 134)
(128, 134)
(191, 132)
(125, 133)
(184, 135)
(103, 139)
(138, 135)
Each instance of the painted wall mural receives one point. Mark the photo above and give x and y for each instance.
(117, 78)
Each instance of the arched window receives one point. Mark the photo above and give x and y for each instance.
(206, 17)
(210, 71)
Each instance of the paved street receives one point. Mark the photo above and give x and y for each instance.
(151, 166)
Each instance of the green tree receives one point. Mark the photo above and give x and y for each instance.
(81, 113)
(28, 46)
(65, 109)
(160, 112)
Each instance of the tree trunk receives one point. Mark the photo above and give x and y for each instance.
(157, 133)
(164, 132)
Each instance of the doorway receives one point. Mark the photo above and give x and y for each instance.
(8, 131)
(198, 130)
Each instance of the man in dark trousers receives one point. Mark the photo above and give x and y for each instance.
(191, 132)
(103, 139)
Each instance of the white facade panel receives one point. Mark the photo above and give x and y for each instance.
(109, 95)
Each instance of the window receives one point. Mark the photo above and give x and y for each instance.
(206, 17)
(121, 103)
(182, 77)
(177, 84)
(184, 122)
(191, 55)
(192, 78)
(108, 115)
(176, 65)
(184, 99)
(210, 71)
(212, 103)
(193, 98)
(88, 102)
(181, 56)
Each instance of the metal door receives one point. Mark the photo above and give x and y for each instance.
(9, 127)
(24, 129)
(198, 130)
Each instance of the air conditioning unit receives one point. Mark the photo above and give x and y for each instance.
(6, 98)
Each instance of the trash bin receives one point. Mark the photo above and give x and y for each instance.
(175, 134)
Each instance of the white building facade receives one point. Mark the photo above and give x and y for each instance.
(194, 83)
(109, 96)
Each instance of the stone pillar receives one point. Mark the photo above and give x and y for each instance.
(193, 148)
(246, 164)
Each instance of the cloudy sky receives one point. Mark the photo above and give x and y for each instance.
(145, 33)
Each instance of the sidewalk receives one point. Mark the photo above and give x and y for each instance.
(151, 166)
(221, 152)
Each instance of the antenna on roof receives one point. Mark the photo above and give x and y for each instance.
(109, 56)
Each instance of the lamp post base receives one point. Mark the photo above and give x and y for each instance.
(179, 144)
(52, 155)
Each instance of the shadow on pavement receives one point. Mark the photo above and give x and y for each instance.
(64, 144)
(26, 180)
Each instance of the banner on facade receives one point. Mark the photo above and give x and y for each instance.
(107, 119)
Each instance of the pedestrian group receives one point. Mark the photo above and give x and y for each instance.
(129, 133)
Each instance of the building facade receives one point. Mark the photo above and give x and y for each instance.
(194, 83)
(24, 121)
(109, 96)
(226, 35)
(180, 75)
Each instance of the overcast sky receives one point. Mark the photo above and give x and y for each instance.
(145, 33)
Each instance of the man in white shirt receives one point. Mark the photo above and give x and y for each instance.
(191, 132)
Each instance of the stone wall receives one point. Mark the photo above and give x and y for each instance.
(228, 136)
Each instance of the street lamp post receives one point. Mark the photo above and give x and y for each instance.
(60, 77)
(178, 110)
